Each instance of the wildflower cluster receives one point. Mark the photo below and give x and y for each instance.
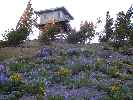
(41, 89)
(64, 72)
(114, 88)
(2, 67)
(15, 77)
(118, 91)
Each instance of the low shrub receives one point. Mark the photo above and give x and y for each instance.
(60, 75)
(76, 69)
(99, 63)
(87, 67)
(16, 37)
(117, 92)
(49, 61)
(20, 67)
(113, 71)
(76, 83)
(60, 60)
(35, 88)
(82, 83)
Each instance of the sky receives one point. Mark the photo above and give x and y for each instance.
(81, 10)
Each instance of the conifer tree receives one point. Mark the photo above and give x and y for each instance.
(24, 27)
(129, 17)
(123, 33)
(108, 27)
(26, 20)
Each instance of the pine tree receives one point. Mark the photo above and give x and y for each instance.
(86, 32)
(121, 29)
(107, 35)
(26, 20)
(16, 36)
(123, 33)
(129, 16)
(108, 27)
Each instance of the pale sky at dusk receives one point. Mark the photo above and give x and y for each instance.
(90, 10)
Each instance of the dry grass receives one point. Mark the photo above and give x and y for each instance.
(29, 49)
(9, 52)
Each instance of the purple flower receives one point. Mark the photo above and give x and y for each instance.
(66, 95)
(3, 77)
(93, 98)
(2, 67)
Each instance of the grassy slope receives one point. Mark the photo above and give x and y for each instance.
(32, 50)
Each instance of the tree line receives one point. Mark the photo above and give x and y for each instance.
(118, 33)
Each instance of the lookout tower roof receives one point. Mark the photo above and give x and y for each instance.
(58, 14)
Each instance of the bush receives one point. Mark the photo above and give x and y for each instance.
(60, 75)
(49, 61)
(15, 37)
(20, 67)
(49, 35)
(87, 67)
(81, 83)
(3, 44)
(35, 88)
(85, 33)
(76, 69)
(113, 71)
(60, 60)
(73, 37)
(99, 63)
(118, 92)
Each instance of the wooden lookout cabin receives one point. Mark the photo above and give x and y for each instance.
(58, 16)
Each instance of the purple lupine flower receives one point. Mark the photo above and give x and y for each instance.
(44, 52)
(2, 67)
(72, 51)
(83, 60)
(46, 83)
(66, 95)
(3, 78)
(93, 98)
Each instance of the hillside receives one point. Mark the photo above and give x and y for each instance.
(65, 72)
